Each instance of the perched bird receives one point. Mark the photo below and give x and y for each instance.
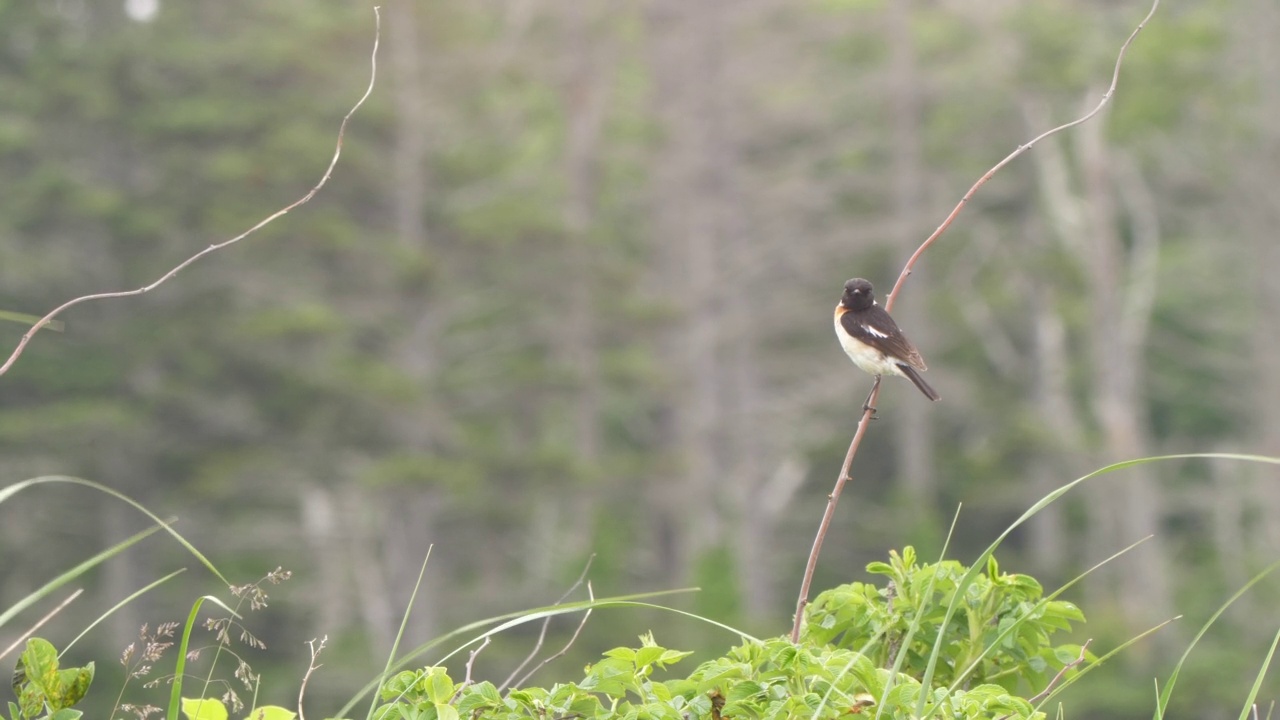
(873, 341)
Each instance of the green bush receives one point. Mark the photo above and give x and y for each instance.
(995, 643)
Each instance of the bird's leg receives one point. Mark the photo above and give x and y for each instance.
(867, 405)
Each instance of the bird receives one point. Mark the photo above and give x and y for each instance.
(873, 341)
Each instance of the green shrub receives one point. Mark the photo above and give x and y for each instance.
(995, 644)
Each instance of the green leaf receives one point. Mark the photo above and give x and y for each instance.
(1064, 610)
(879, 568)
(487, 690)
(390, 711)
(73, 685)
(745, 690)
(623, 653)
(646, 656)
(672, 656)
(398, 685)
(473, 706)
(440, 688)
(1066, 654)
(31, 701)
(524, 697)
(445, 711)
(271, 712)
(40, 662)
(611, 677)
(203, 709)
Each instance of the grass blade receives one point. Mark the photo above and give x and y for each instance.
(404, 622)
(175, 694)
(11, 490)
(1257, 682)
(132, 596)
(25, 319)
(979, 565)
(70, 575)
(1163, 701)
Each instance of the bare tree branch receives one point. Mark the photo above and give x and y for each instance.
(1106, 97)
(542, 634)
(572, 639)
(324, 179)
(471, 661)
(317, 647)
(49, 616)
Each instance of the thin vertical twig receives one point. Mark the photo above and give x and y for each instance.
(471, 662)
(317, 647)
(542, 634)
(591, 595)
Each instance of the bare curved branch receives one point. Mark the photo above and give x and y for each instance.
(324, 179)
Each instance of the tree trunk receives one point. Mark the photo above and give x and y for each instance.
(1118, 295)
(914, 444)
(1258, 212)
(690, 194)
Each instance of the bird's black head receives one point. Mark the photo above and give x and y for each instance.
(858, 294)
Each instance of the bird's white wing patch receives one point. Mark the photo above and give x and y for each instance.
(872, 331)
(864, 356)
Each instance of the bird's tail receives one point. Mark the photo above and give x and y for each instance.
(914, 376)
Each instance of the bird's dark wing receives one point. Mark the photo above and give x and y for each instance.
(874, 327)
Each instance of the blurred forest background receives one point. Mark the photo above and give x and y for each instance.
(569, 293)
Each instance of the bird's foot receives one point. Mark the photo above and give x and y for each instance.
(866, 404)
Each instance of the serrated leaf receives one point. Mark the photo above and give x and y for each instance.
(586, 706)
(1027, 584)
(672, 656)
(744, 690)
(397, 685)
(472, 704)
(445, 711)
(487, 690)
(647, 655)
(659, 691)
(524, 697)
